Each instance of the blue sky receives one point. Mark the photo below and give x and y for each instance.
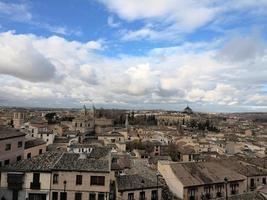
(210, 54)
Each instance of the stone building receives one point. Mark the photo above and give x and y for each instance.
(12, 144)
(201, 180)
(58, 175)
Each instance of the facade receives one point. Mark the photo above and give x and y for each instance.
(58, 175)
(11, 145)
(198, 180)
(34, 147)
(134, 186)
(113, 138)
(42, 131)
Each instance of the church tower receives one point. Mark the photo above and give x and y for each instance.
(18, 119)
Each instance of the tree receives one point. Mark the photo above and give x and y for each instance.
(50, 117)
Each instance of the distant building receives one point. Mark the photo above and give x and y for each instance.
(187, 110)
(34, 147)
(19, 119)
(11, 145)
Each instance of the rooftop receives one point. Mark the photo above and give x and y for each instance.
(133, 182)
(6, 133)
(201, 173)
(96, 161)
(33, 142)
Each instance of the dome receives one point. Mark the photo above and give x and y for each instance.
(188, 110)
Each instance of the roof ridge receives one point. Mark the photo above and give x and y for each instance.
(62, 153)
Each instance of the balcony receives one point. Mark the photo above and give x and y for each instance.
(35, 186)
(15, 181)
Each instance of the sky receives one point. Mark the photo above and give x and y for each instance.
(134, 54)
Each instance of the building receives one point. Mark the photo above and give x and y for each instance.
(58, 175)
(113, 137)
(34, 147)
(134, 186)
(19, 119)
(256, 177)
(11, 145)
(201, 180)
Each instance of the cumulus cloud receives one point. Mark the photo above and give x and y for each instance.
(164, 76)
(21, 59)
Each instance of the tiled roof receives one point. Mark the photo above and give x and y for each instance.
(6, 133)
(76, 162)
(192, 174)
(134, 182)
(43, 162)
(33, 142)
(96, 161)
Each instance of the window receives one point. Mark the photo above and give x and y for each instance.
(252, 183)
(29, 155)
(40, 151)
(97, 180)
(47, 135)
(18, 158)
(234, 188)
(154, 195)
(101, 196)
(63, 195)
(36, 178)
(47, 140)
(19, 144)
(113, 140)
(55, 178)
(54, 196)
(192, 193)
(78, 196)
(6, 162)
(8, 147)
(142, 195)
(207, 191)
(92, 196)
(219, 190)
(130, 196)
(264, 181)
(79, 179)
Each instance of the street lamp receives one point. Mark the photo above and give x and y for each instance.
(158, 174)
(226, 182)
(65, 183)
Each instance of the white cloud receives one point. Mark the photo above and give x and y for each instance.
(17, 12)
(176, 16)
(21, 59)
(171, 19)
(190, 72)
(20, 12)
